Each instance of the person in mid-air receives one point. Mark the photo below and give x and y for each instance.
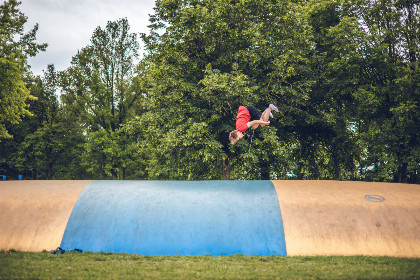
(249, 116)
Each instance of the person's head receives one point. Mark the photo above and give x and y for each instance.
(235, 136)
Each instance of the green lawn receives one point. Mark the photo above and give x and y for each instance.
(22, 265)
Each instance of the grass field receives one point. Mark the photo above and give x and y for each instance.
(20, 265)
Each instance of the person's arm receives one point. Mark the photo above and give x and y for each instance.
(255, 123)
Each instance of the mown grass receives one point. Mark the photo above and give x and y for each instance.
(21, 265)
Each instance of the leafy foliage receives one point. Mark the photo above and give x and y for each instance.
(15, 47)
(212, 57)
(344, 75)
(50, 138)
(375, 63)
(98, 92)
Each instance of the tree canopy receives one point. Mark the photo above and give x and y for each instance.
(15, 48)
(344, 75)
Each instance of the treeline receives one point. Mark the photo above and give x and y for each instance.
(344, 74)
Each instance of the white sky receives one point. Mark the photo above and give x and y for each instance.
(67, 25)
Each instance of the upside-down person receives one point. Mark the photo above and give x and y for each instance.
(249, 116)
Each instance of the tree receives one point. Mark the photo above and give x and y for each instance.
(97, 89)
(51, 136)
(15, 47)
(211, 57)
(375, 64)
(325, 144)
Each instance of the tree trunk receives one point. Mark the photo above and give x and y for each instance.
(114, 174)
(226, 168)
(49, 171)
(299, 174)
(402, 173)
(265, 171)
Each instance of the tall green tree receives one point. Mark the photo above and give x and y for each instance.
(205, 58)
(51, 137)
(326, 145)
(15, 48)
(98, 90)
(372, 64)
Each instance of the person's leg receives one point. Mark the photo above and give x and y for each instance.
(255, 114)
(267, 113)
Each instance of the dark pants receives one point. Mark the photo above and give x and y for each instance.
(255, 114)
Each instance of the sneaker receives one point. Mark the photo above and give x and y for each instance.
(273, 107)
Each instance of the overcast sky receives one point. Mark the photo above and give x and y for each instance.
(67, 25)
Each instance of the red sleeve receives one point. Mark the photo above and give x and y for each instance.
(242, 119)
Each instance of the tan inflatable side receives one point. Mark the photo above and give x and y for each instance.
(34, 214)
(350, 218)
